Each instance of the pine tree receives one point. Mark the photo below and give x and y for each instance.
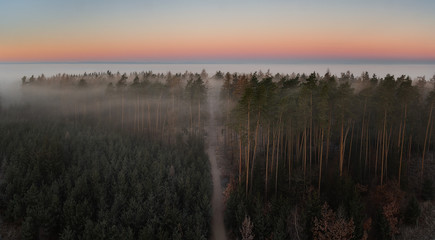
(427, 190)
(412, 211)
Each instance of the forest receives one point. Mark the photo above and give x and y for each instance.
(327, 157)
(82, 161)
(304, 156)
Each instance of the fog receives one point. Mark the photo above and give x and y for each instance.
(166, 106)
(128, 114)
(11, 74)
(149, 106)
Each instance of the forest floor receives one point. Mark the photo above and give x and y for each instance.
(212, 129)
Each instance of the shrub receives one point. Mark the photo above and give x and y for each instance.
(331, 226)
(412, 211)
(247, 229)
(427, 190)
(382, 226)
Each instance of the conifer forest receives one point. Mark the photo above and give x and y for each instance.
(222, 155)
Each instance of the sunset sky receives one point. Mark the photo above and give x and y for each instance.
(220, 30)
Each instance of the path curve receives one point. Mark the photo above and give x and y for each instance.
(217, 223)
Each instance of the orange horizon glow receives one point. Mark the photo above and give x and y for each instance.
(206, 30)
(208, 49)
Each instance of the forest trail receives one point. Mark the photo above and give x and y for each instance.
(217, 223)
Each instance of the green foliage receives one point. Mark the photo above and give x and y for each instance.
(236, 209)
(368, 126)
(82, 83)
(382, 227)
(219, 75)
(313, 207)
(427, 190)
(29, 230)
(196, 90)
(356, 210)
(122, 83)
(412, 211)
(98, 184)
(342, 192)
(268, 219)
(101, 184)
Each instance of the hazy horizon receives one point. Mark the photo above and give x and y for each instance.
(161, 31)
(332, 61)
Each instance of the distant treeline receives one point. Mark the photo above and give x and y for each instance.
(145, 103)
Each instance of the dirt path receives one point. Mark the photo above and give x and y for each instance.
(217, 223)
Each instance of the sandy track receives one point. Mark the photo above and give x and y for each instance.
(217, 223)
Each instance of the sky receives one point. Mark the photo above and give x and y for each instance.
(216, 30)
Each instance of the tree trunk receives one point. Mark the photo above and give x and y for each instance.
(341, 148)
(199, 116)
(255, 147)
(122, 111)
(430, 138)
(173, 111)
(342, 145)
(328, 140)
(362, 132)
(248, 153)
(289, 155)
(384, 139)
(401, 144)
(298, 147)
(75, 114)
(191, 118)
(304, 154)
(350, 147)
(110, 110)
(320, 160)
(149, 116)
(311, 131)
(425, 140)
(158, 113)
(378, 144)
(143, 115)
(240, 158)
(388, 150)
(134, 117)
(399, 138)
(277, 154)
(274, 134)
(409, 151)
(366, 161)
(267, 159)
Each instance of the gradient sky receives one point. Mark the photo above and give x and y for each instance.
(169, 30)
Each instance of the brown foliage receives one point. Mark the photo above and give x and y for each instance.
(391, 212)
(329, 226)
(231, 186)
(240, 85)
(361, 188)
(385, 194)
(246, 229)
(367, 225)
(388, 198)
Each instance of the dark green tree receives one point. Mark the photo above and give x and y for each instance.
(427, 190)
(412, 211)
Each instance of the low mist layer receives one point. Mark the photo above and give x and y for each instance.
(300, 156)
